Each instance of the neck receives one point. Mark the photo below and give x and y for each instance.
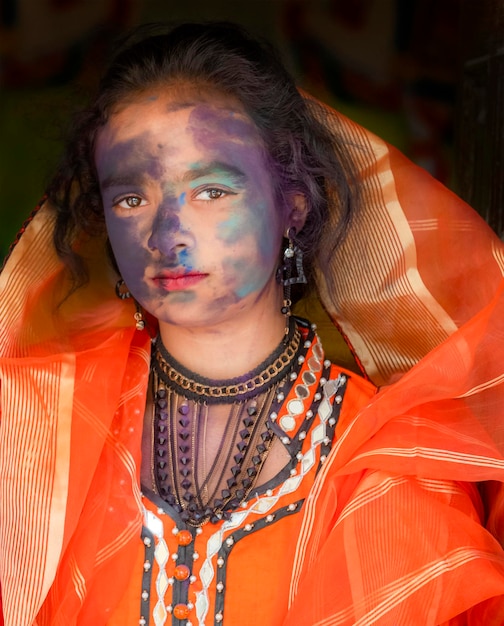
(227, 350)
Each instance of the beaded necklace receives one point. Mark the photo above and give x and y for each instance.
(183, 402)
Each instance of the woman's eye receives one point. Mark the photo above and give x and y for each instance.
(130, 202)
(212, 193)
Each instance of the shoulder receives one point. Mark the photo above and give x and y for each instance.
(403, 549)
(358, 394)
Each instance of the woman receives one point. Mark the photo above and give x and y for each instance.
(226, 472)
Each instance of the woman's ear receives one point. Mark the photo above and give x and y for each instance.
(298, 212)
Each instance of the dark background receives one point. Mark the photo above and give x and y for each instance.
(426, 75)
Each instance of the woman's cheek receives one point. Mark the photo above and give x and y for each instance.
(235, 227)
(245, 275)
(126, 241)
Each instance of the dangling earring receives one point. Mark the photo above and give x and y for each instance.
(139, 320)
(124, 293)
(292, 273)
(293, 258)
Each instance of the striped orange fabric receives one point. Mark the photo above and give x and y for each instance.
(73, 378)
(402, 550)
(418, 262)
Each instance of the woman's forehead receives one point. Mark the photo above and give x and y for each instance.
(201, 113)
(160, 133)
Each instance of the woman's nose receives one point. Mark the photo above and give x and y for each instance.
(168, 235)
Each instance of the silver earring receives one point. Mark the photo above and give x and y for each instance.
(292, 273)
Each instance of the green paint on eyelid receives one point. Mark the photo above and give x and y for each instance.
(218, 178)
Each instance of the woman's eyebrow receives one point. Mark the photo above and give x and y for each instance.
(123, 179)
(216, 167)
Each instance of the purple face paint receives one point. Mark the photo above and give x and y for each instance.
(220, 132)
(190, 211)
(130, 167)
(131, 160)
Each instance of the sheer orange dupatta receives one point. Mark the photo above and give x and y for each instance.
(73, 380)
(392, 526)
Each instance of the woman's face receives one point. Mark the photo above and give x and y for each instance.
(190, 208)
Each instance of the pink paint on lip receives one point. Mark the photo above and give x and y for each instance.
(177, 281)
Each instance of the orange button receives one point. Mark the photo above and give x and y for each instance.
(182, 572)
(184, 537)
(181, 611)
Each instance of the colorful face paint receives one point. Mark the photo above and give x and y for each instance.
(190, 211)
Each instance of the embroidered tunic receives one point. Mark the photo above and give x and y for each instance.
(238, 571)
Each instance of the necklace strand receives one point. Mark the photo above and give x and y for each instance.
(193, 386)
(199, 495)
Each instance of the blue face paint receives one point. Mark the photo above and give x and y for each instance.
(233, 229)
(184, 259)
(182, 297)
(253, 282)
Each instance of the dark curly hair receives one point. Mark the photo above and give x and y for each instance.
(307, 158)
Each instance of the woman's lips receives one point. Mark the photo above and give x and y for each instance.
(177, 281)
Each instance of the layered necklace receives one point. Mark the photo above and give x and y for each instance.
(185, 403)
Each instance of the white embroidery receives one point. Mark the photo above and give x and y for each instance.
(257, 508)
(161, 554)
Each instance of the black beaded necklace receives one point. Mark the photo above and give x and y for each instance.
(182, 402)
